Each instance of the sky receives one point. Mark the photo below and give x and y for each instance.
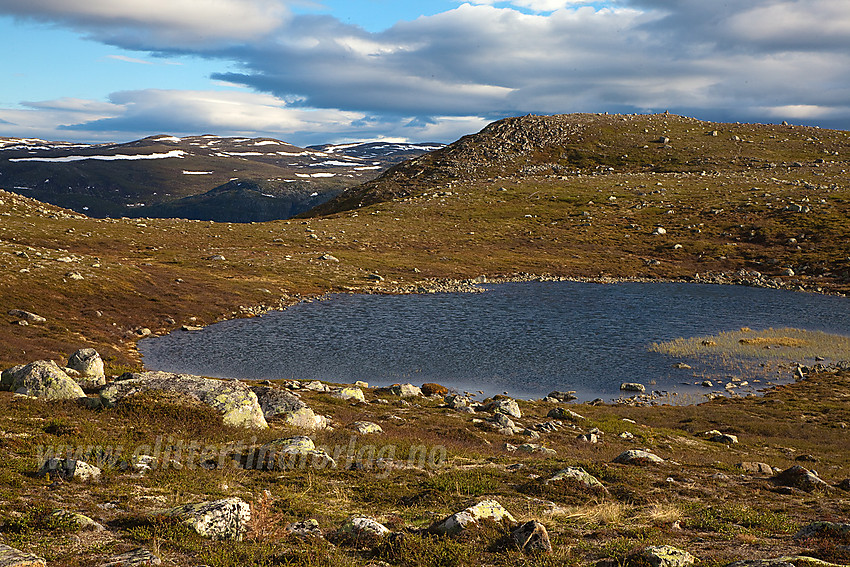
(336, 71)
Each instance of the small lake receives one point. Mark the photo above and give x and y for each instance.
(526, 339)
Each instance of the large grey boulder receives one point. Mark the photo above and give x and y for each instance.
(27, 316)
(349, 393)
(579, 476)
(235, 400)
(88, 363)
(226, 519)
(41, 379)
(405, 390)
(459, 521)
(276, 402)
(637, 457)
(289, 453)
(11, 557)
(67, 469)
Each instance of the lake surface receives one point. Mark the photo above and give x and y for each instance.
(526, 339)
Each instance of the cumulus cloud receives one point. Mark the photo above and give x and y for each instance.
(168, 23)
(483, 60)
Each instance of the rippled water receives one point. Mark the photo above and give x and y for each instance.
(527, 339)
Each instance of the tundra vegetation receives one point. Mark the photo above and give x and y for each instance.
(588, 196)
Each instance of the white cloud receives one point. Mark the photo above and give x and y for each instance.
(535, 5)
(129, 59)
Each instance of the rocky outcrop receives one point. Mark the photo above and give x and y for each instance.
(579, 476)
(225, 519)
(459, 521)
(237, 403)
(79, 521)
(41, 379)
(27, 316)
(11, 557)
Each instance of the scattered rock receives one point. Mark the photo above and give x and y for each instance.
(724, 438)
(362, 527)
(580, 476)
(236, 401)
(405, 390)
(41, 379)
(637, 457)
(535, 448)
(817, 529)
(564, 413)
(562, 396)
(755, 468)
(666, 556)
(484, 510)
(27, 316)
(532, 537)
(799, 477)
(349, 393)
(11, 557)
(588, 438)
(134, 558)
(314, 386)
(659, 230)
(366, 427)
(67, 469)
(305, 529)
(503, 405)
(80, 521)
(632, 387)
(88, 363)
(328, 258)
(431, 389)
(276, 402)
(225, 519)
(289, 453)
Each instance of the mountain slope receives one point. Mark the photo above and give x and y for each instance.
(185, 177)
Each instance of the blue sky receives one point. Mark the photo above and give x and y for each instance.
(313, 71)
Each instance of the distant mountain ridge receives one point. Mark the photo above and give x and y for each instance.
(198, 177)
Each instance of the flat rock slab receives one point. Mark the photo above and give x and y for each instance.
(135, 558)
(11, 557)
(225, 519)
(41, 379)
(236, 401)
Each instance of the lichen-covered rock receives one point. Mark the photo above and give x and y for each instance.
(535, 448)
(532, 537)
(349, 393)
(289, 453)
(802, 478)
(27, 316)
(484, 510)
(666, 556)
(503, 405)
(79, 521)
(225, 519)
(405, 390)
(305, 529)
(279, 403)
(455, 401)
(580, 476)
(362, 526)
(633, 387)
(753, 467)
(135, 558)
(11, 557)
(236, 401)
(41, 379)
(637, 457)
(726, 438)
(68, 469)
(366, 427)
(88, 363)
